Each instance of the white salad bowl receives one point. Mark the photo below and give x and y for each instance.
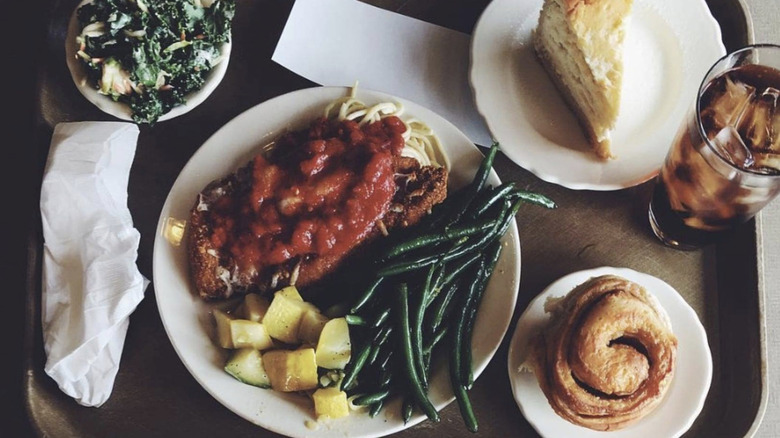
(121, 110)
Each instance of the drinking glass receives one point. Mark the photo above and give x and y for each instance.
(724, 164)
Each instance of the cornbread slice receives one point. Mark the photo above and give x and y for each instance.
(580, 45)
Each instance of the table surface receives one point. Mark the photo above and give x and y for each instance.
(765, 15)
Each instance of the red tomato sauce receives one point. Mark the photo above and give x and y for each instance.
(320, 191)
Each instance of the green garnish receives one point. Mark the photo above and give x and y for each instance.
(150, 54)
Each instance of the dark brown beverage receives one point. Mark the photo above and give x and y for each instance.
(724, 165)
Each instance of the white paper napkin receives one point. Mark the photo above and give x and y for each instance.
(339, 42)
(91, 283)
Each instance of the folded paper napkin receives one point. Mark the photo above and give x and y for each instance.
(383, 51)
(91, 283)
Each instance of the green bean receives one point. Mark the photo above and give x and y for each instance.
(455, 362)
(437, 337)
(407, 266)
(490, 260)
(368, 399)
(482, 243)
(456, 204)
(436, 283)
(418, 263)
(381, 318)
(355, 320)
(376, 408)
(402, 315)
(428, 285)
(385, 378)
(452, 212)
(432, 283)
(416, 327)
(491, 197)
(407, 409)
(436, 238)
(417, 242)
(379, 341)
(442, 212)
(375, 350)
(509, 218)
(484, 169)
(477, 183)
(507, 215)
(366, 297)
(534, 198)
(459, 267)
(457, 330)
(441, 304)
(355, 365)
(384, 359)
(382, 335)
(431, 344)
(467, 375)
(425, 261)
(464, 403)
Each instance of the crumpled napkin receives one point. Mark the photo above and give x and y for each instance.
(91, 283)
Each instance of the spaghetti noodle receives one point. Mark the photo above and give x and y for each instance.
(421, 142)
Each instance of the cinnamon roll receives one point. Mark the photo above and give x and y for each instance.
(607, 357)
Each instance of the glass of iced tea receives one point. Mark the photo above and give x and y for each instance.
(724, 164)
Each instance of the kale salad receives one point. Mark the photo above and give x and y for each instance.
(149, 54)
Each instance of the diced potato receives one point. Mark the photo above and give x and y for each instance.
(330, 403)
(294, 370)
(246, 365)
(223, 328)
(284, 318)
(334, 348)
(311, 326)
(255, 307)
(249, 334)
(290, 292)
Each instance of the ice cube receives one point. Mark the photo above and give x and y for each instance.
(755, 124)
(774, 145)
(730, 146)
(767, 163)
(727, 108)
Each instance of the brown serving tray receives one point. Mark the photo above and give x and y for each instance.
(154, 394)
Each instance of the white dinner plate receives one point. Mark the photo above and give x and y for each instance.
(689, 387)
(187, 318)
(670, 45)
(121, 110)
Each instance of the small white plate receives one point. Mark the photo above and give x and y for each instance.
(687, 392)
(120, 110)
(188, 321)
(670, 45)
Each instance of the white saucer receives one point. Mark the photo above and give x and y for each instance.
(670, 45)
(688, 390)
